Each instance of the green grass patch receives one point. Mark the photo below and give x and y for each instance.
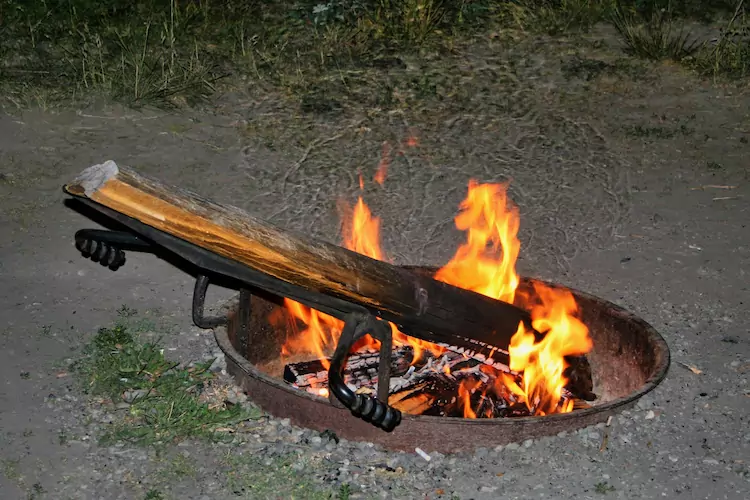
(166, 401)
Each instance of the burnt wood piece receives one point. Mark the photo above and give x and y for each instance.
(360, 367)
(419, 305)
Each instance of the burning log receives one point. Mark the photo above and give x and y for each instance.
(322, 275)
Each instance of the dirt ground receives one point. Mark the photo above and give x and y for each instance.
(633, 183)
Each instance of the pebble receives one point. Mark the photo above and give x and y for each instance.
(650, 415)
(528, 443)
(512, 446)
(236, 397)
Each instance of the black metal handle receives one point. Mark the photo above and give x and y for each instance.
(108, 247)
(373, 410)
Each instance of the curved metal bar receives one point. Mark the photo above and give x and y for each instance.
(199, 302)
(364, 406)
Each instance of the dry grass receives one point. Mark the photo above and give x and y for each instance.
(319, 53)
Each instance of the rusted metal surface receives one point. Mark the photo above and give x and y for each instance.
(629, 359)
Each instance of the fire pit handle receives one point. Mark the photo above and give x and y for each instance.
(368, 408)
(108, 247)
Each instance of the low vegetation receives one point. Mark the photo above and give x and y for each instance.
(172, 52)
(156, 401)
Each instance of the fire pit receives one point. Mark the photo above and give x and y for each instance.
(628, 359)
(470, 354)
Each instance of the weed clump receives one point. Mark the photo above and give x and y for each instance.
(165, 402)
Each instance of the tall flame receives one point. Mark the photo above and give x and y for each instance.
(362, 235)
(485, 263)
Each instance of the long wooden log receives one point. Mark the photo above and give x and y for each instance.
(417, 304)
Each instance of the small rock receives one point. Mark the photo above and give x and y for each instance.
(512, 446)
(488, 489)
(131, 395)
(498, 448)
(236, 397)
(650, 415)
(327, 434)
(528, 443)
(562, 434)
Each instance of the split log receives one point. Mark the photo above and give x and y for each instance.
(419, 305)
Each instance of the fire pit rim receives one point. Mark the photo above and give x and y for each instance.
(657, 342)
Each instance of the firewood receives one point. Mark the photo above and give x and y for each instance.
(419, 305)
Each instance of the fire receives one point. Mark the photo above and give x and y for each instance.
(542, 363)
(485, 263)
(361, 234)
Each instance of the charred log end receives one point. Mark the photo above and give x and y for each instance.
(580, 382)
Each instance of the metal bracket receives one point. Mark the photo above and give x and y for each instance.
(108, 248)
(373, 410)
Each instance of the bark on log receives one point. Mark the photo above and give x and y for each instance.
(417, 304)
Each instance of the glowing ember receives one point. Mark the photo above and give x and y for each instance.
(385, 161)
(485, 263)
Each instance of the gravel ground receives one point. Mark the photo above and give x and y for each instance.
(632, 186)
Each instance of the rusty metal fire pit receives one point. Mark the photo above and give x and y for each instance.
(629, 359)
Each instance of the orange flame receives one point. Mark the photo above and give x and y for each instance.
(486, 265)
(542, 363)
(465, 390)
(491, 227)
(385, 161)
(362, 235)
